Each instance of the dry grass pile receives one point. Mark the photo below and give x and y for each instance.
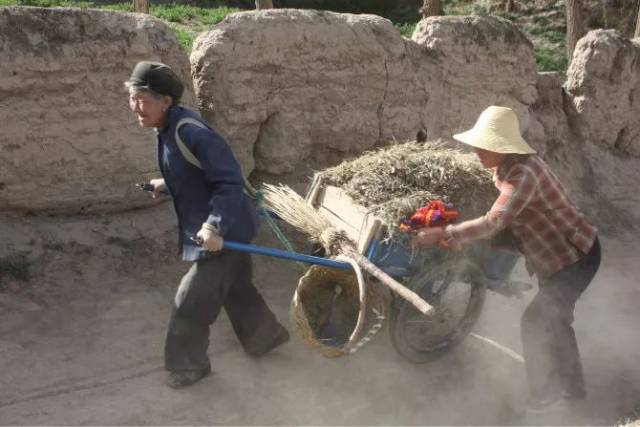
(394, 181)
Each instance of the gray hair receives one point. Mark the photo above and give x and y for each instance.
(157, 96)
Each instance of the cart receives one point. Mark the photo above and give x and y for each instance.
(454, 283)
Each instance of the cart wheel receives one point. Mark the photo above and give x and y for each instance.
(456, 290)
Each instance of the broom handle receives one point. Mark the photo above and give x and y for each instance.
(406, 293)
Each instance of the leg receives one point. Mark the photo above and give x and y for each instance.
(537, 324)
(552, 359)
(253, 322)
(567, 286)
(197, 303)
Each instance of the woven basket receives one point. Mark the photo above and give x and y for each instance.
(333, 312)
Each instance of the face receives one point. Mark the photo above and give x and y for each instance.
(489, 159)
(152, 112)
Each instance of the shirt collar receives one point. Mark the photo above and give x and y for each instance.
(173, 111)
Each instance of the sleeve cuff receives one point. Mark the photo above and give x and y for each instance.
(448, 233)
(213, 223)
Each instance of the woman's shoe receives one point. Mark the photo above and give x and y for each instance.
(542, 404)
(180, 379)
(281, 337)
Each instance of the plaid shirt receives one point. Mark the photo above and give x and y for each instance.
(535, 207)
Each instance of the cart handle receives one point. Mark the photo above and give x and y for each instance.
(277, 253)
(262, 250)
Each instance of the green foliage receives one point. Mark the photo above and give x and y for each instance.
(185, 13)
(541, 20)
(185, 20)
(463, 7)
(551, 60)
(406, 28)
(188, 20)
(119, 7)
(548, 33)
(396, 10)
(54, 3)
(185, 38)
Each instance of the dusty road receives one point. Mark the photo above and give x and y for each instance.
(81, 344)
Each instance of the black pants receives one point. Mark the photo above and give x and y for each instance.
(551, 355)
(224, 280)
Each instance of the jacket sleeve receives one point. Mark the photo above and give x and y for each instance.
(222, 173)
(516, 193)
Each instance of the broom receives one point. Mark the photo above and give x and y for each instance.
(293, 209)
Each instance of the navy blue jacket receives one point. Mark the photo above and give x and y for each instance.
(213, 194)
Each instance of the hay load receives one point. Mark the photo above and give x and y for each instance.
(394, 181)
(332, 311)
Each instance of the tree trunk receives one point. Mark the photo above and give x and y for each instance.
(264, 4)
(637, 31)
(431, 8)
(575, 25)
(509, 6)
(141, 6)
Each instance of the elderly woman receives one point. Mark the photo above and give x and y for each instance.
(206, 184)
(560, 246)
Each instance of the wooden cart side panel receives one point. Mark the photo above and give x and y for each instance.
(345, 214)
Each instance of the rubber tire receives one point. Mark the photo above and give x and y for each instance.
(402, 311)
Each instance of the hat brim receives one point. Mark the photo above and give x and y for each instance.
(495, 143)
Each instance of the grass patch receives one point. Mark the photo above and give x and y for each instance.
(188, 21)
(541, 20)
(463, 7)
(550, 60)
(185, 37)
(52, 3)
(550, 34)
(406, 28)
(185, 20)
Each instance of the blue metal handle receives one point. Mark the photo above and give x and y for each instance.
(262, 250)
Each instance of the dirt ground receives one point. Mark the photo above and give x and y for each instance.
(81, 343)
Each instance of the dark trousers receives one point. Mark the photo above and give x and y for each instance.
(223, 280)
(551, 355)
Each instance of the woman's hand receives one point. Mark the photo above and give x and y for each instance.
(428, 236)
(158, 187)
(211, 241)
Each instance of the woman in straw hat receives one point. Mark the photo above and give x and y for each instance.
(560, 246)
(204, 179)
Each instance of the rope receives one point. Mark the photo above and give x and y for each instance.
(362, 300)
(259, 197)
(352, 347)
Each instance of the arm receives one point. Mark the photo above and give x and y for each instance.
(222, 173)
(516, 192)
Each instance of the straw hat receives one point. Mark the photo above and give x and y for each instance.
(496, 130)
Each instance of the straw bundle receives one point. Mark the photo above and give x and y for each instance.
(293, 209)
(394, 181)
(334, 311)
